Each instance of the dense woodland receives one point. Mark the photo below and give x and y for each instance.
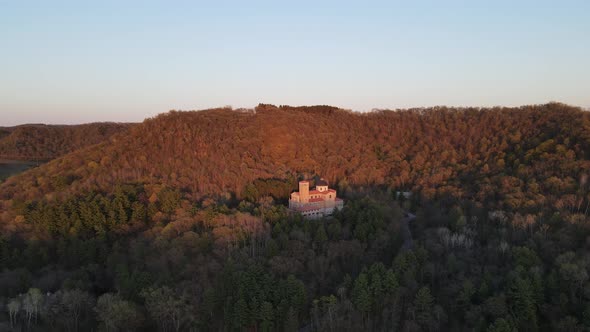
(45, 142)
(179, 224)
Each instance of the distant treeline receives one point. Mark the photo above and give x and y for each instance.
(46, 142)
(485, 154)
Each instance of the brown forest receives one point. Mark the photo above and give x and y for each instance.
(515, 154)
(179, 224)
(45, 142)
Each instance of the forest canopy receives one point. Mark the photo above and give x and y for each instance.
(180, 224)
(45, 142)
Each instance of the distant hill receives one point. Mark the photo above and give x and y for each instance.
(45, 142)
(172, 219)
(217, 152)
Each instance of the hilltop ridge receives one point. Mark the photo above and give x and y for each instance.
(45, 142)
(217, 152)
(187, 212)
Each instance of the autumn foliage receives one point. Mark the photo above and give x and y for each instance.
(179, 224)
(45, 142)
(522, 157)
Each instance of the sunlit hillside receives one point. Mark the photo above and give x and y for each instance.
(454, 219)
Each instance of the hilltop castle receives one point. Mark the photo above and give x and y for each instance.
(315, 203)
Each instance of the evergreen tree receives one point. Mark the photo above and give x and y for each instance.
(361, 294)
(523, 304)
(241, 315)
(423, 304)
(500, 325)
(291, 321)
(266, 316)
(586, 317)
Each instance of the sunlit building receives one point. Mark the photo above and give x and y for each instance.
(316, 203)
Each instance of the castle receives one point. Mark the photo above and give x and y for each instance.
(315, 203)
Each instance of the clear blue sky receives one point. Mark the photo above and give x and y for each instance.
(81, 61)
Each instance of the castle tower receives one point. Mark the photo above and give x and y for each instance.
(304, 191)
(314, 204)
(321, 185)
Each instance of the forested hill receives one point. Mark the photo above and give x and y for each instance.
(45, 142)
(180, 224)
(518, 154)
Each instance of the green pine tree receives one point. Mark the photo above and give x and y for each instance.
(291, 321)
(423, 304)
(500, 325)
(266, 316)
(361, 294)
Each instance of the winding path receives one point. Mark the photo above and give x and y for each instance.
(406, 232)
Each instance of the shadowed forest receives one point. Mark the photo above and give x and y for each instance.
(44, 142)
(179, 223)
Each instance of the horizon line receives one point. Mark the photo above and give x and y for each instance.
(231, 107)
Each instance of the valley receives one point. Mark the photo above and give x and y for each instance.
(13, 167)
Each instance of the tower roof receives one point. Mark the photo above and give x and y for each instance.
(321, 182)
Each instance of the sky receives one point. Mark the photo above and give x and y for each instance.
(83, 61)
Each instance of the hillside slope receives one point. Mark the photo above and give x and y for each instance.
(45, 142)
(435, 151)
(174, 215)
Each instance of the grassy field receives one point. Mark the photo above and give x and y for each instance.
(13, 167)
